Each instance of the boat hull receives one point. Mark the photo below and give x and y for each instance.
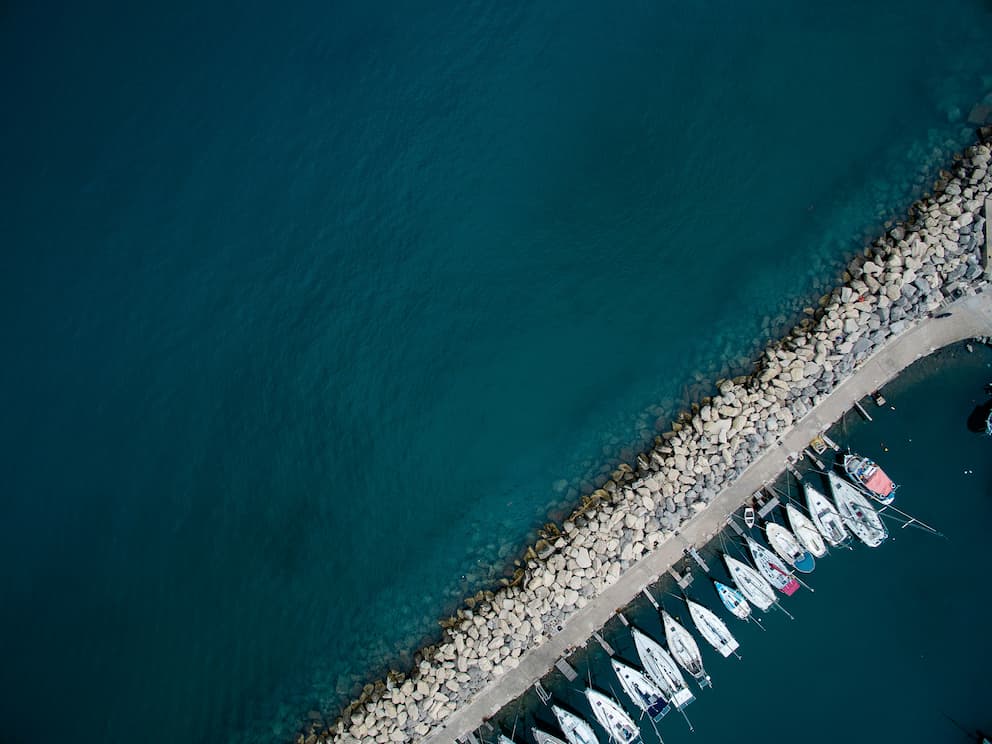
(662, 669)
(735, 602)
(825, 516)
(870, 477)
(788, 548)
(613, 718)
(644, 693)
(806, 564)
(858, 515)
(805, 531)
(684, 649)
(713, 630)
(774, 573)
(750, 583)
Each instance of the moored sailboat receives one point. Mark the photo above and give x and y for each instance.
(644, 693)
(805, 531)
(712, 629)
(620, 726)
(857, 513)
(733, 600)
(788, 548)
(751, 583)
(576, 730)
(867, 474)
(770, 567)
(543, 737)
(662, 669)
(825, 516)
(684, 649)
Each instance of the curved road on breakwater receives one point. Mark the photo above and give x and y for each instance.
(971, 316)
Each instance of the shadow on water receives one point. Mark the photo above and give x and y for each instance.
(979, 418)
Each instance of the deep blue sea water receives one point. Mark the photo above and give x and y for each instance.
(892, 644)
(311, 314)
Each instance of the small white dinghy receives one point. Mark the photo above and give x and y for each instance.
(857, 513)
(788, 548)
(662, 669)
(751, 584)
(543, 737)
(576, 730)
(712, 629)
(825, 516)
(645, 694)
(613, 718)
(684, 649)
(805, 531)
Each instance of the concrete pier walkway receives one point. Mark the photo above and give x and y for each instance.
(971, 316)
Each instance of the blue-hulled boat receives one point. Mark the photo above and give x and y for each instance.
(733, 600)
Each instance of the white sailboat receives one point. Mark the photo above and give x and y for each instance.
(805, 531)
(788, 548)
(771, 567)
(662, 669)
(825, 516)
(576, 730)
(684, 649)
(645, 694)
(857, 513)
(712, 629)
(620, 727)
(751, 584)
(543, 737)
(504, 740)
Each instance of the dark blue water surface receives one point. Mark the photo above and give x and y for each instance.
(312, 312)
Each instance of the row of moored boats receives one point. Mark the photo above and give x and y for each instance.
(659, 685)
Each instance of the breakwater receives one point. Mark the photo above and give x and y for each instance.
(624, 529)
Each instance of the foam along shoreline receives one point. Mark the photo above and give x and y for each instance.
(863, 334)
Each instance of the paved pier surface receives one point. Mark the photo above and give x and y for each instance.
(971, 316)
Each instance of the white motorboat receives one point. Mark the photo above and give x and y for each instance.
(620, 727)
(857, 513)
(662, 669)
(870, 477)
(805, 531)
(645, 694)
(576, 730)
(684, 649)
(825, 516)
(733, 600)
(788, 548)
(712, 629)
(772, 568)
(751, 584)
(543, 737)
(504, 740)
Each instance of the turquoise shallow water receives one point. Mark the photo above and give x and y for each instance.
(892, 644)
(308, 310)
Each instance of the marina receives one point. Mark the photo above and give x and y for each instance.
(972, 317)
(810, 474)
